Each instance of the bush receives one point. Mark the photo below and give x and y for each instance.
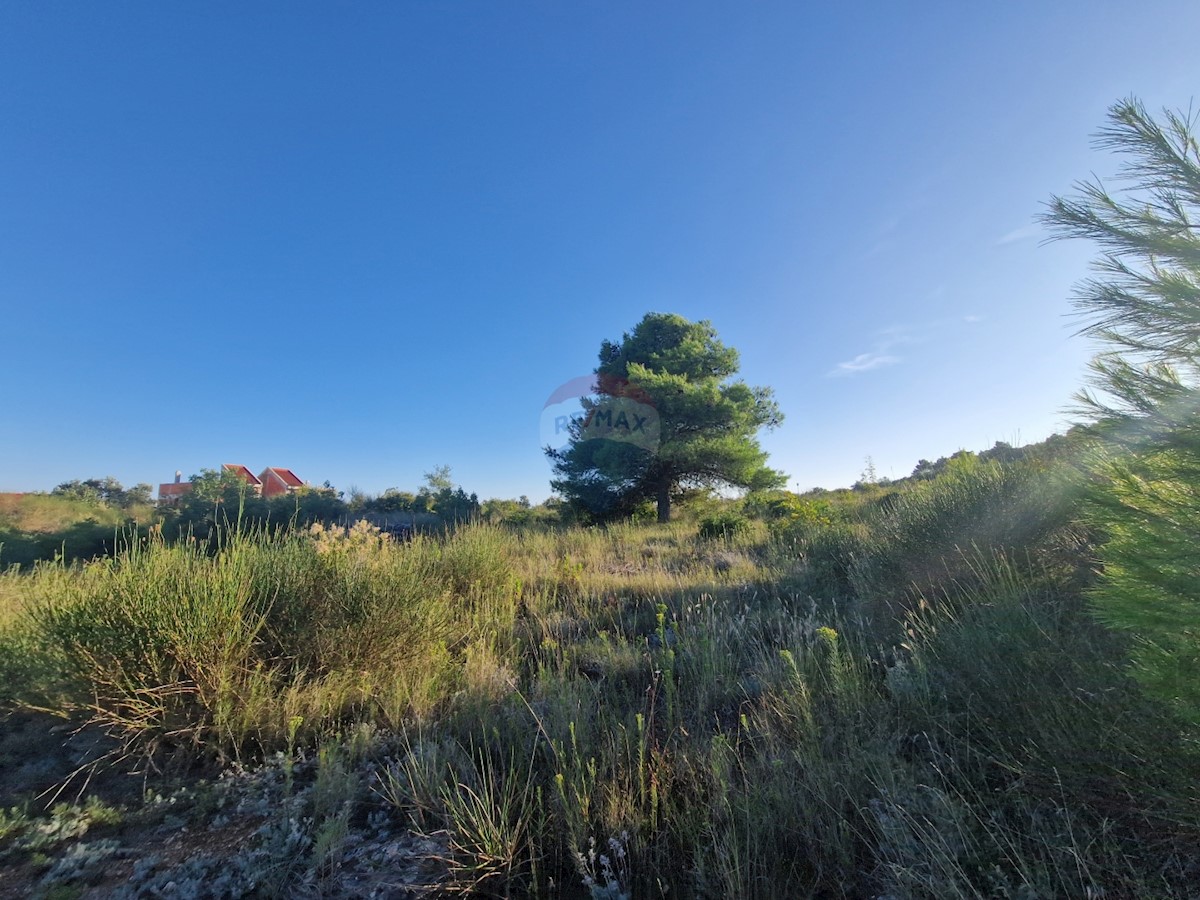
(922, 541)
(723, 525)
(270, 638)
(921, 536)
(1027, 736)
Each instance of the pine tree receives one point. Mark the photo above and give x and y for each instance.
(666, 414)
(1144, 401)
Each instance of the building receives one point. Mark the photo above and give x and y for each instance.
(246, 475)
(273, 482)
(277, 482)
(170, 493)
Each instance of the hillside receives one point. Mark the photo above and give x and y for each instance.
(41, 526)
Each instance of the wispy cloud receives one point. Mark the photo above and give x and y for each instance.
(886, 340)
(1019, 234)
(880, 355)
(864, 362)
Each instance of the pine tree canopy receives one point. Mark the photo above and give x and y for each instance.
(1144, 305)
(688, 423)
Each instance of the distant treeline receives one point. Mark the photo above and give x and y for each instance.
(82, 519)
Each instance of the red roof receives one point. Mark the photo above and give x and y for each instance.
(287, 476)
(245, 474)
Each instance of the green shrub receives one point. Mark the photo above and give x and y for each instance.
(231, 650)
(827, 554)
(723, 525)
(921, 541)
(1038, 768)
(922, 535)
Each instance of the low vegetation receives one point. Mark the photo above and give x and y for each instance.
(42, 526)
(904, 695)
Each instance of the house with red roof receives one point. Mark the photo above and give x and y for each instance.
(277, 482)
(273, 482)
(171, 492)
(246, 475)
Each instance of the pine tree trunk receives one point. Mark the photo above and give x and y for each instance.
(664, 502)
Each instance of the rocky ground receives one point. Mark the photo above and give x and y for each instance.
(76, 822)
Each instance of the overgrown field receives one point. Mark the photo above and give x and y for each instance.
(42, 526)
(882, 694)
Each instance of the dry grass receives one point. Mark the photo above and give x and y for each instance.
(45, 514)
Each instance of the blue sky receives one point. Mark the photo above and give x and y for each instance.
(363, 240)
